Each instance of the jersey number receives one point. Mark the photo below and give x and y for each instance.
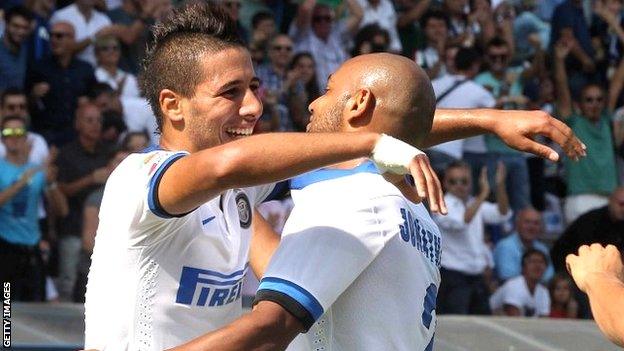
(429, 306)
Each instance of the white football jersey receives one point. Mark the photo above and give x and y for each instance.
(358, 264)
(157, 281)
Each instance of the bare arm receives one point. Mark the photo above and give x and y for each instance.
(515, 128)
(264, 241)
(304, 14)
(57, 201)
(267, 327)
(564, 100)
(484, 192)
(501, 189)
(90, 223)
(9, 192)
(413, 14)
(98, 176)
(598, 271)
(615, 87)
(355, 16)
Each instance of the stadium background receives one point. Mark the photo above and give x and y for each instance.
(53, 73)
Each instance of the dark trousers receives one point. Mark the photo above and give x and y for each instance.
(22, 266)
(462, 294)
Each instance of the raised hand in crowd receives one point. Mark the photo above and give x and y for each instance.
(484, 184)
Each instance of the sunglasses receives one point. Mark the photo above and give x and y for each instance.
(502, 57)
(59, 35)
(13, 132)
(282, 48)
(14, 107)
(456, 181)
(591, 99)
(321, 19)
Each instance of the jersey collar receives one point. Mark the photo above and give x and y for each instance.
(300, 182)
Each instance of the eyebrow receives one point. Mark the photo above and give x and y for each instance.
(236, 82)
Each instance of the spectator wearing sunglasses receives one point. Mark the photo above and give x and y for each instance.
(314, 30)
(467, 261)
(108, 53)
(593, 123)
(13, 102)
(22, 184)
(13, 48)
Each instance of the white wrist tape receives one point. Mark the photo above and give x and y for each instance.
(393, 155)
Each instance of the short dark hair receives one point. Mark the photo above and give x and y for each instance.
(9, 118)
(173, 56)
(98, 89)
(457, 164)
(497, 42)
(20, 11)
(113, 119)
(11, 91)
(259, 17)
(436, 14)
(530, 252)
(465, 58)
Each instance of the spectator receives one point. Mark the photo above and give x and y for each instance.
(467, 259)
(506, 84)
(107, 52)
(562, 302)
(263, 29)
(585, 190)
(458, 90)
(459, 30)
(135, 142)
(524, 295)
(314, 30)
(131, 22)
(528, 28)
(370, 38)
(82, 168)
(113, 128)
(13, 48)
(302, 67)
(39, 43)
(90, 223)
(607, 35)
(409, 13)
(382, 13)
(232, 7)
(276, 83)
(56, 84)
(431, 57)
(22, 184)
(604, 225)
(88, 23)
(13, 103)
(569, 24)
(508, 252)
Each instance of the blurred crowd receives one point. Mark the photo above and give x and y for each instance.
(71, 109)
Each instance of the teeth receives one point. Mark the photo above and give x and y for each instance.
(240, 131)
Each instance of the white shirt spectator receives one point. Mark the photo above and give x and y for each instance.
(515, 292)
(463, 247)
(467, 95)
(328, 55)
(130, 88)
(83, 28)
(385, 16)
(427, 58)
(139, 117)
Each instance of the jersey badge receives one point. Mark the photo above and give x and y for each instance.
(244, 209)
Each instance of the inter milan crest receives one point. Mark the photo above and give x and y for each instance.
(244, 210)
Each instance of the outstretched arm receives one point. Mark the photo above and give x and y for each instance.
(598, 271)
(515, 128)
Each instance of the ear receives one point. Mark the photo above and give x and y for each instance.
(360, 108)
(171, 105)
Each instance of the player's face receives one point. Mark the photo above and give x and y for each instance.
(225, 106)
(458, 182)
(327, 110)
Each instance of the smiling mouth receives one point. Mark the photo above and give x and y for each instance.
(239, 132)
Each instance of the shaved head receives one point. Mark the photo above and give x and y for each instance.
(404, 101)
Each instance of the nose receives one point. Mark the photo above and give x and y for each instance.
(252, 106)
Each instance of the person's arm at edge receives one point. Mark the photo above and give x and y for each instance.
(268, 327)
(515, 128)
(264, 241)
(356, 13)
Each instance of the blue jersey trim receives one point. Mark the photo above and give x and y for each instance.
(323, 174)
(150, 149)
(279, 191)
(299, 294)
(152, 191)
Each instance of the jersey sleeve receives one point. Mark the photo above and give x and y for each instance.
(158, 166)
(323, 250)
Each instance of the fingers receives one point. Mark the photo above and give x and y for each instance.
(539, 150)
(561, 134)
(434, 188)
(419, 180)
(570, 261)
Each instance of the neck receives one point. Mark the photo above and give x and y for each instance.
(531, 284)
(112, 69)
(280, 70)
(498, 74)
(526, 243)
(85, 11)
(17, 158)
(14, 48)
(169, 142)
(64, 60)
(87, 143)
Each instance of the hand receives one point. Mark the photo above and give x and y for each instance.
(39, 90)
(535, 41)
(100, 175)
(501, 173)
(484, 184)
(107, 31)
(562, 49)
(517, 129)
(595, 260)
(27, 175)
